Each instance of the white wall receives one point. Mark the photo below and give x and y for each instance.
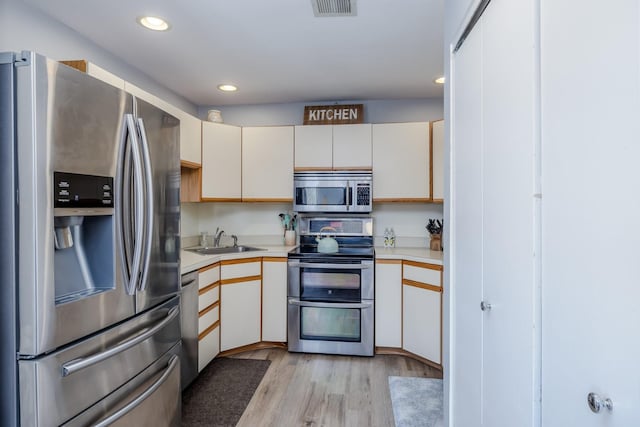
(259, 220)
(375, 111)
(23, 27)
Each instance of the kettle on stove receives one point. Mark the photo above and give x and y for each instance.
(327, 244)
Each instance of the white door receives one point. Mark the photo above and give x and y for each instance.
(494, 367)
(590, 79)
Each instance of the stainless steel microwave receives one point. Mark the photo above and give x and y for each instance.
(332, 191)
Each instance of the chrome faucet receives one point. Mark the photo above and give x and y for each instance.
(235, 240)
(216, 239)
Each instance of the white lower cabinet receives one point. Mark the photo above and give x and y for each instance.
(274, 299)
(389, 303)
(240, 314)
(421, 315)
(208, 348)
(208, 314)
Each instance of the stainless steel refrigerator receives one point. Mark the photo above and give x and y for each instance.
(89, 225)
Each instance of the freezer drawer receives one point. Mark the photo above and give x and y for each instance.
(150, 399)
(58, 386)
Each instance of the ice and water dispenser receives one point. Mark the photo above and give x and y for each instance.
(83, 235)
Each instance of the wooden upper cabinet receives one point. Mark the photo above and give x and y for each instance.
(267, 163)
(437, 160)
(327, 147)
(221, 162)
(314, 147)
(401, 162)
(352, 146)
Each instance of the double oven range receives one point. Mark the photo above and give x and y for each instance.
(331, 295)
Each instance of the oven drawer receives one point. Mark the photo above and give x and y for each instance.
(327, 279)
(332, 328)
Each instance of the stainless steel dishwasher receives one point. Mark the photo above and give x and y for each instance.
(189, 321)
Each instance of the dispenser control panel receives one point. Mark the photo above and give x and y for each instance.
(72, 190)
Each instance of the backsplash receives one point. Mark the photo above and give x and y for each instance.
(261, 219)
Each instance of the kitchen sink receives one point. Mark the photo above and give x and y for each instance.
(224, 250)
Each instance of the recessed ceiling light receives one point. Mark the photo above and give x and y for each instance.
(153, 23)
(227, 88)
(439, 80)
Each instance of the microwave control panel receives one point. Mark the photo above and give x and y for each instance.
(72, 190)
(363, 194)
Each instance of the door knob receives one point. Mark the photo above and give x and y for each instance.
(485, 306)
(596, 403)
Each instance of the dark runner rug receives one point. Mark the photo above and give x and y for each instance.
(222, 391)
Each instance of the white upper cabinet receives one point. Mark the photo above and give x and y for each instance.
(102, 74)
(326, 147)
(352, 146)
(221, 162)
(314, 147)
(190, 139)
(437, 160)
(401, 162)
(267, 163)
(190, 127)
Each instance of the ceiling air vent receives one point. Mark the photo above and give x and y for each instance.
(328, 8)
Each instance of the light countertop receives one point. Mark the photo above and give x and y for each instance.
(410, 254)
(191, 261)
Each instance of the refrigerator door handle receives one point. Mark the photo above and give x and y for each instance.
(138, 213)
(148, 207)
(142, 396)
(76, 365)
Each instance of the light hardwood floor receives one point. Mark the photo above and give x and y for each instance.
(320, 390)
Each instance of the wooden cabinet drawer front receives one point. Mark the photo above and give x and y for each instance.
(208, 298)
(208, 276)
(421, 274)
(208, 319)
(208, 348)
(237, 270)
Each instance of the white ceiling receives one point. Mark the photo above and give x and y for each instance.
(274, 51)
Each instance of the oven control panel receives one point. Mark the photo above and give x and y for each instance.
(72, 190)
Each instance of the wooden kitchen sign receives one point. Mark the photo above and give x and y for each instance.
(333, 114)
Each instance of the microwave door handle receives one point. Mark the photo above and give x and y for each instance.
(147, 241)
(142, 396)
(325, 266)
(295, 301)
(350, 198)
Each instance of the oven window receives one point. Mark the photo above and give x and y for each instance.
(320, 284)
(321, 196)
(330, 324)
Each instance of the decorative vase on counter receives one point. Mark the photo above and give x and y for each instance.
(290, 237)
(436, 242)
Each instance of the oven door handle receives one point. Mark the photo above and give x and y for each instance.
(326, 266)
(295, 301)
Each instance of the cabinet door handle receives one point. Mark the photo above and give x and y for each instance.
(485, 306)
(596, 403)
